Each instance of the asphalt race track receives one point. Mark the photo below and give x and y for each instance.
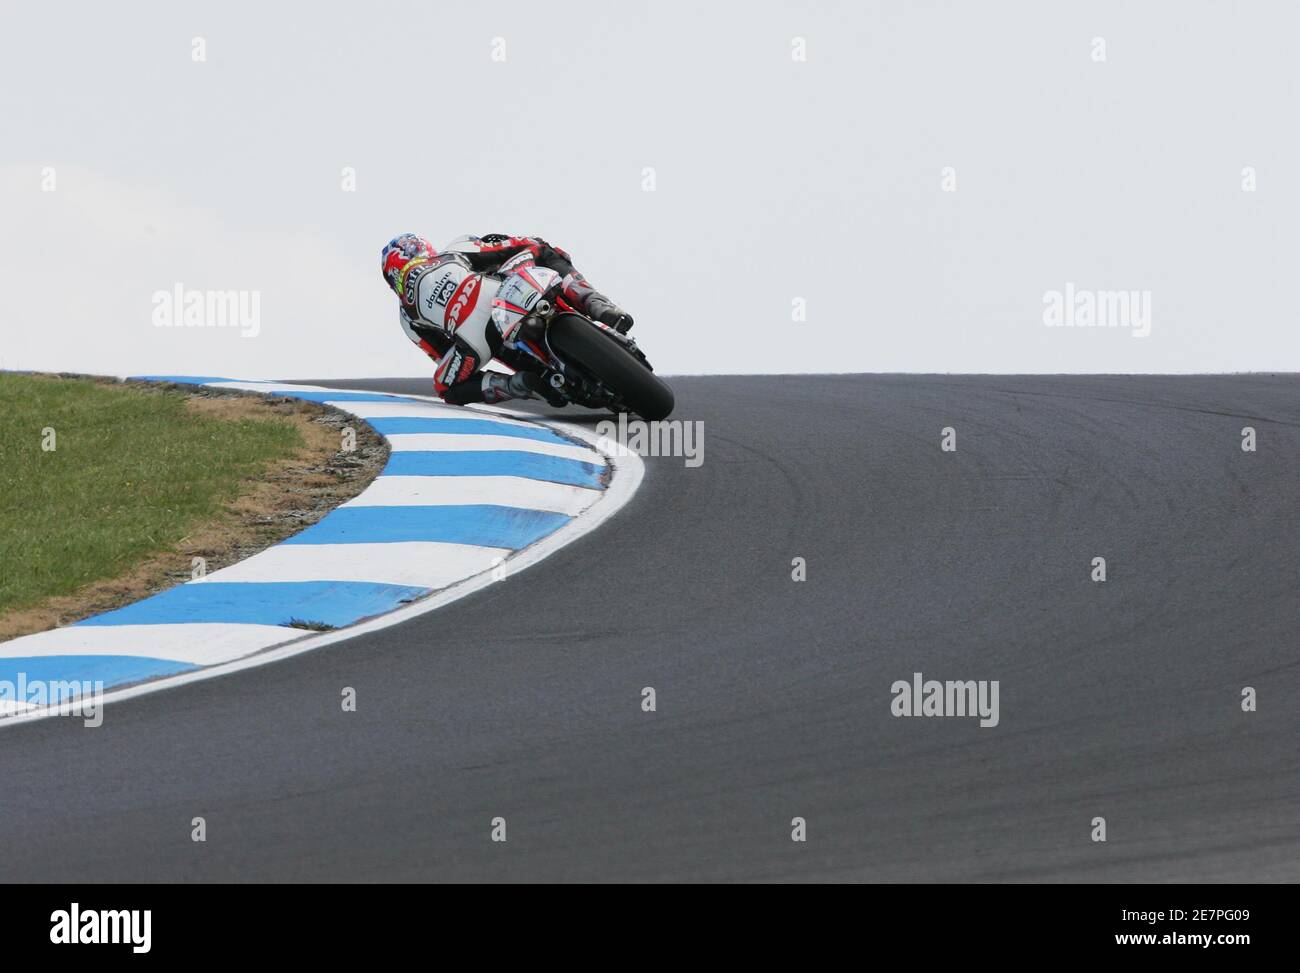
(1119, 699)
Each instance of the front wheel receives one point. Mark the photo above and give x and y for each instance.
(577, 340)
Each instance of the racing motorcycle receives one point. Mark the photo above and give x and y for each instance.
(587, 362)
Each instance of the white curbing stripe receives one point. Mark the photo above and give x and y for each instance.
(433, 491)
(194, 643)
(423, 564)
(435, 572)
(268, 387)
(410, 406)
(478, 442)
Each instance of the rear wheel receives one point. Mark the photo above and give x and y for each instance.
(577, 340)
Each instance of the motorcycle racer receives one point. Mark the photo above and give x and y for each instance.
(446, 309)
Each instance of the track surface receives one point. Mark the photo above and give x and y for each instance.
(523, 701)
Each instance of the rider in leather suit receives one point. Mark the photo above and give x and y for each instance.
(446, 309)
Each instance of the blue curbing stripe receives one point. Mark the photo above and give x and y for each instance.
(112, 670)
(484, 525)
(335, 603)
(533, 466)
(398, 425)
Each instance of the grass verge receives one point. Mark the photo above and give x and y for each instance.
(111, 491)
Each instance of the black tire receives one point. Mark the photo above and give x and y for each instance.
(577, 340)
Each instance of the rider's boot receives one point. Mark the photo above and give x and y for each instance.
(520, 385)
(594, 304)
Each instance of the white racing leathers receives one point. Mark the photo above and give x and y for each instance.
(448, 313)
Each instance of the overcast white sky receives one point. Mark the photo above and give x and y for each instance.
(775, 178)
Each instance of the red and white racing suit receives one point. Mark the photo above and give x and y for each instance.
(447, 311)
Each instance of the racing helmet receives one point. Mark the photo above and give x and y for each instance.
(400, 254)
